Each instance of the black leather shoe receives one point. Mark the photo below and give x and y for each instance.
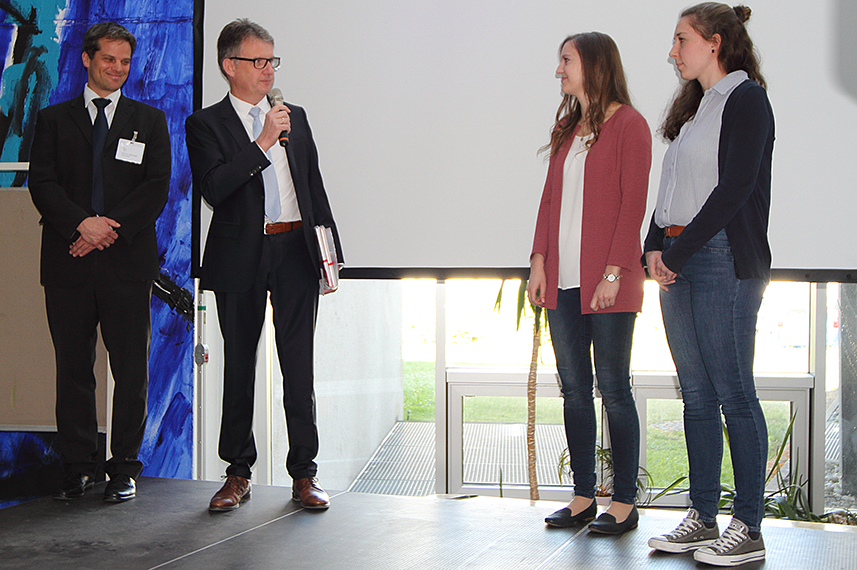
(606, 523)
(563, 517)
(73, 486)
(120, 488)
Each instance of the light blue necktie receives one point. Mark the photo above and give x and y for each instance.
(269, 176)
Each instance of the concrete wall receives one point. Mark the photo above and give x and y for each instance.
(358, 385)
(358, 380)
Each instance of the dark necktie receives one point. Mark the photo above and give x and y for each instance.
(99, 135)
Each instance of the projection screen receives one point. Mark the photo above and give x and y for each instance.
(428, 116)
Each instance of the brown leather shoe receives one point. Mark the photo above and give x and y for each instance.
(235, 491)
(309, 493)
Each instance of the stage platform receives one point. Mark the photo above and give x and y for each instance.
(169, 526)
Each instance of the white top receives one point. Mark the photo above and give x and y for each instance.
(690, 170)
(109, 109)
(571, 213)
(289, 211)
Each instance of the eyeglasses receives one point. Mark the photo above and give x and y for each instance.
(261, 62)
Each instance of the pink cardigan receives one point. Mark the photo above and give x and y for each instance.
(615, 184)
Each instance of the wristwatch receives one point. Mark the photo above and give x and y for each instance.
(611, 278)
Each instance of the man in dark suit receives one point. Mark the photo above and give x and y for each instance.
(266, 202)
(99, 176)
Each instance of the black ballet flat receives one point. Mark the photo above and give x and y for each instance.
(606, 524)
(563, 517)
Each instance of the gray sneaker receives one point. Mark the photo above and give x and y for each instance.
(689, 535)
(734, 548)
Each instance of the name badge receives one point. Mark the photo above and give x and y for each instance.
(130, 151)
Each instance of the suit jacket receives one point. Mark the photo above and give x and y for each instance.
(60, 184)
(227, 169)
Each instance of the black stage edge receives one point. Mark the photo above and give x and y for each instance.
(169, 526)
(440, 273)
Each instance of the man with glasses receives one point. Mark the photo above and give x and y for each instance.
(267, 199)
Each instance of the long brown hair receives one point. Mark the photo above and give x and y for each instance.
(603, 82)
(736, 52)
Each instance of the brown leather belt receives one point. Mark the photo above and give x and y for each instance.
(673, 231)
(282, 227)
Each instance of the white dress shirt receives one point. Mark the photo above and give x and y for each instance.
(109, 109)
(571, 213)
(289, 211)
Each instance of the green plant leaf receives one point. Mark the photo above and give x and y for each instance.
(673, 488)
(564, 464)
(499, 296)
(786, 508)
(775, 468)
(522, 303)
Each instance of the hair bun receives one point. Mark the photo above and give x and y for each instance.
(743, 13)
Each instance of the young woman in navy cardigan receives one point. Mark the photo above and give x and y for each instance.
(585, 270)
(708, 250)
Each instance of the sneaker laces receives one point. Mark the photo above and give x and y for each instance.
(731, 537)
(688, 526)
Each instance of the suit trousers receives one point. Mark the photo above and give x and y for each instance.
(123, 310)
(286, 270)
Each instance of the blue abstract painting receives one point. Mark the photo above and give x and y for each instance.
(24, 460)
(30, 465)
(40, 41)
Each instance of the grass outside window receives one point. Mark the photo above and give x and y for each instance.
(666, 454)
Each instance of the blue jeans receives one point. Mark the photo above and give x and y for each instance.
(710, 322)
(609, 335)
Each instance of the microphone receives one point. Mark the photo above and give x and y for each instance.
(276, 97)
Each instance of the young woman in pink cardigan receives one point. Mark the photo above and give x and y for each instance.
(585, 267)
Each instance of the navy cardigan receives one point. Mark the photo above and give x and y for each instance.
(741, 200)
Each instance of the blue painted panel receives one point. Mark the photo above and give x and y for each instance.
(31, 467)
(48, 70)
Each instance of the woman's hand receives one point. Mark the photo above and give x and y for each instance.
(538, 281)
(606, 292)
(658, 271)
